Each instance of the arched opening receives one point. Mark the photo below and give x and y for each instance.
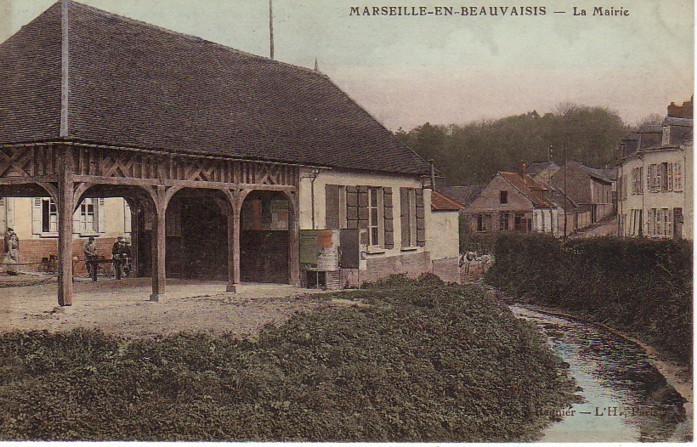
(265, 220)
(196, 235)
(108, 212)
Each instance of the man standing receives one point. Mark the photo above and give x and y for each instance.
(90, 251)
(120, 255)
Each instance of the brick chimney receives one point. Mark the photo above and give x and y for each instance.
(521, 168)
(683, 111)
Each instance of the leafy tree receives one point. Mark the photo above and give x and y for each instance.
(473, 152)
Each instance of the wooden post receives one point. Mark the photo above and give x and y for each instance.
(233, 244)
(66, 207)
(159, 243)
(294, 241)
(135, 237)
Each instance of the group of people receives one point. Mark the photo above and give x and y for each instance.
(120, 257)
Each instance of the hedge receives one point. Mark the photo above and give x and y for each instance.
(643, 286)
(415, 361)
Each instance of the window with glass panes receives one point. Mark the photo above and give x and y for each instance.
(49, 216)
(375, 218)
(88, 221)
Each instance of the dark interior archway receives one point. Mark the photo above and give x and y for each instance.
(196, 235)
(264, 237)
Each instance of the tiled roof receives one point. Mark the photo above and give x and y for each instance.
(537, 167)
(529, 188)
(464, 194)
(136, 85)
(440, 202)
(606, 175)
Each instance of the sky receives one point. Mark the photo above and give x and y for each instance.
(408, 70)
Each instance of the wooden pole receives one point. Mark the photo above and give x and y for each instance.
(65, 206)
(294, 242)
(233, 257)
(159, 244)
(271, 28)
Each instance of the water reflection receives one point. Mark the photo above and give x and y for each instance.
(625, 398)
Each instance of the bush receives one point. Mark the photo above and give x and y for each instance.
(410, 363)
(640, 285)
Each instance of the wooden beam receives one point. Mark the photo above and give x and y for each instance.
(28, 180)
(65, 226)
(123, 181)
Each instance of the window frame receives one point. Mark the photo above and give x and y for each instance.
(378, 212)
(503, 197)
(46, 225)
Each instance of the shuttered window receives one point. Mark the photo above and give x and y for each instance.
(677, 177)
(376, 227)
(367, 208)
(46, 214)
(408, 216)
(89, 219)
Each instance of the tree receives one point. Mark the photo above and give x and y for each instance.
(473, 152)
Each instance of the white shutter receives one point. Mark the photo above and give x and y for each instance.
(3, 214)
(100, 211)
(76, 219)
(36, 215)
(126, 218)
(669, 169)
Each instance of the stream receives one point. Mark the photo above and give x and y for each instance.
(625, 398)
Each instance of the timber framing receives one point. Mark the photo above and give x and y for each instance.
(148, 180)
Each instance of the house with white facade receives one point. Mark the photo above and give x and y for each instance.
(655, 178)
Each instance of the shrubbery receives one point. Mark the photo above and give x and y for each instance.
(408, 362)
(641, 285)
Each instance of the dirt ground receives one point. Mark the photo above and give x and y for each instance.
(122, 307)
(604, 228)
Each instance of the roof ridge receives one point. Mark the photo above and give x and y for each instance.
(190, 37)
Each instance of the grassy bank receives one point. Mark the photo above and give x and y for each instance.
(639, 286)
(407, 362)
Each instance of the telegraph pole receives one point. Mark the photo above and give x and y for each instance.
(566, 168)
(271, 28)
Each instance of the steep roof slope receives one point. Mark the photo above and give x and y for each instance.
(138, 85)
(462, 194)
(30, 80)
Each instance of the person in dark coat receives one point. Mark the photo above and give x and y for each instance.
(121, 253)
(90, 251)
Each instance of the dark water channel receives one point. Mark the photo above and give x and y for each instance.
(625, 398)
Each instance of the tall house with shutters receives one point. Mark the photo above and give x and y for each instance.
(211, 160)
(655, 195)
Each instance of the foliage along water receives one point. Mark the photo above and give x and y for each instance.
(625, 398)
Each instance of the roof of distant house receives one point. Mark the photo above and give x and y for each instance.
(537, 167)
(462, 194)
(133, 84)
(529, 188)
(604, 174)
(441, 202)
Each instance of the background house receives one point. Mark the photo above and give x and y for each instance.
(510, 201)
(655, 177)
(590, 188)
